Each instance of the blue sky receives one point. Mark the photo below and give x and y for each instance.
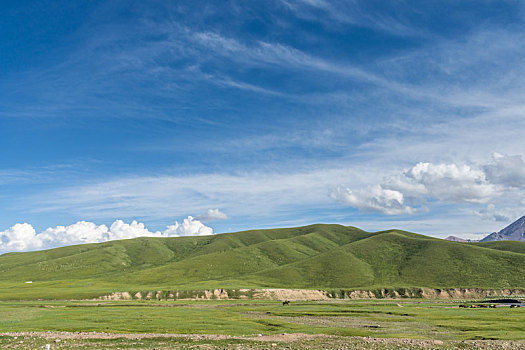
(259, 114)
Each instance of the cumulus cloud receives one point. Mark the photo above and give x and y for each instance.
(506, 170)
(212, 215)
(19, 237)
(188, 227)
(450, 182)
(80, 232)
(120, 230)
(23, 237)
(426, 182)
(375, 199)
(492, 214)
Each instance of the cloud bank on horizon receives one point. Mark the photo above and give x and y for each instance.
(23, 237)
(281, 113)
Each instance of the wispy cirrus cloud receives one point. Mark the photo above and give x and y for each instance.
(245, 194)
(351, 13)
(165, 63)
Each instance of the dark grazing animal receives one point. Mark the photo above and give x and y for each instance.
(286, 302)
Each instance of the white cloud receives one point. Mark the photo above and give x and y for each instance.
(349, 12)
(188, 227)
(375, 199)
(268, 53)
(426, 182)
(19, 237)
(246, 194)
(273, 194)
(506, 170)
(449, 182)
(80, 232)
(120, 230)
(492, 213)
(23, 237)
(212, 215)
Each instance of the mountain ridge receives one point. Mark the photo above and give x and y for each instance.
(513, 232)
(459, 239)
(310, 257)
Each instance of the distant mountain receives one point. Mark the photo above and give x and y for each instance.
(513, 232)
(457, 239)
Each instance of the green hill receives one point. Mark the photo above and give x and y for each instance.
(316, 256)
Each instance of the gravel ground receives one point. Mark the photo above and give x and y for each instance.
(94, 340)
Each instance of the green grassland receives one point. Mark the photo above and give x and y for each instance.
(310, 257)
(443, 321)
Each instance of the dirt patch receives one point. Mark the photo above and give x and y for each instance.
(287, 338)
(24, 340)
(290, 294)
(137, 336)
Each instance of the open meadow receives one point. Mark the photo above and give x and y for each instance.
(380, 324)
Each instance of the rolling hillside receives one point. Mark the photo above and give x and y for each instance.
(316, 256)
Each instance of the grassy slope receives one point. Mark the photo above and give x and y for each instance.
(316, 256)
(510, 246)
(400, 259)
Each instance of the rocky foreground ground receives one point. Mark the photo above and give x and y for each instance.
(94, 340)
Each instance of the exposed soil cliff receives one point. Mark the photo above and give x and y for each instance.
(307, 294)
